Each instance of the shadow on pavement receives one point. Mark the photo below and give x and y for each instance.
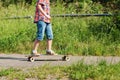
(25, 59)
(12, 58)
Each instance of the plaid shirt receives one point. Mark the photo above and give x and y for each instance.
(46, 7)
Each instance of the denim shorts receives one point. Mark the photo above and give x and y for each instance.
(44, 28)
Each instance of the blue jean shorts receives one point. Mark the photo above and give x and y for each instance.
(44, 28)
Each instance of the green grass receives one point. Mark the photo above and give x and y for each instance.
(79, 71)
(5, 72)
(75, 36)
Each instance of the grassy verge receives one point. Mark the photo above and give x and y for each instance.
(75, 36)
(79, 71)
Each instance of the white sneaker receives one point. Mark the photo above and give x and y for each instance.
(34, 53)
(51, 52)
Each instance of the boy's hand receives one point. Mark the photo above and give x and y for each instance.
(48, 17)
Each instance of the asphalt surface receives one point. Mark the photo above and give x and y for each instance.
(21, 61)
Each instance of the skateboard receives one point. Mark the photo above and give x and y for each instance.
(44, 57)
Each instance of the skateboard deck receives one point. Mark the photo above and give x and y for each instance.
(44, 57)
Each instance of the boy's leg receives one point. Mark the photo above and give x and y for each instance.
(36, 45)
(40, 34)
(49, 34)
(49, 44)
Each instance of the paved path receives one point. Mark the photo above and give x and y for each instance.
(20, 61)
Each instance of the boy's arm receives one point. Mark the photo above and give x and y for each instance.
(43, 12)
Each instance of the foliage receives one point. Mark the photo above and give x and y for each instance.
(75, 36)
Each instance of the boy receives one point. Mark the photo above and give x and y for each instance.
(42, 19)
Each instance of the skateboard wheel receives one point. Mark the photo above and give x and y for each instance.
(31, 59)
(65, 58)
